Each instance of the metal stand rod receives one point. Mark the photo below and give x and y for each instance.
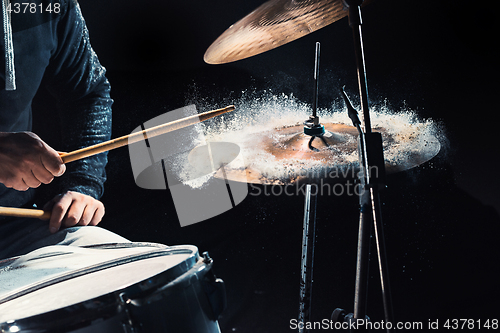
(312, 126)
(355, 22)
(306, 272)
(316, 81)
(382, 258)
(369, 201)
(363, 251)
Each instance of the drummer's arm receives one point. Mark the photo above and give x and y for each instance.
(76, 78)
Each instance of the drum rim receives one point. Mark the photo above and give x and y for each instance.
(110, 303)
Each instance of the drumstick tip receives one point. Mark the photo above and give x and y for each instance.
(25, 212)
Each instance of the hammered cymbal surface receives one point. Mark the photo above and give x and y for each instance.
(273, 24)
(290, 156)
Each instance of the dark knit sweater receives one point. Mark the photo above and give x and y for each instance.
(51, 47)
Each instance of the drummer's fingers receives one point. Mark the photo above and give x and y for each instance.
(72, 208)
(76, 214)
(91, 214)
(98, 213)
(61, 204)
(83, 210)
(30, 180)
(51, 161)
(42, 175)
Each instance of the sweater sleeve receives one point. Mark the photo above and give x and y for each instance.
(77, 80)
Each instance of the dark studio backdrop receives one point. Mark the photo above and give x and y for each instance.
(438, 58)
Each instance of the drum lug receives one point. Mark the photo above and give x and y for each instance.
(128, 325)
(9, 326)
(206, 258)
(214, 288)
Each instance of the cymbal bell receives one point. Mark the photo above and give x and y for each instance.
(273, 24)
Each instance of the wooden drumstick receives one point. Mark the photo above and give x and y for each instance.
(112, 144)
(24, 212)
(138, 136)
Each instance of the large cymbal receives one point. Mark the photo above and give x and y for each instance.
(285, 155)
(273, 24)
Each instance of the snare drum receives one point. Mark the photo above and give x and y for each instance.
(135, 287)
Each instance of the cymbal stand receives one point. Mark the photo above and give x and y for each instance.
(313, 128)
(372, 176)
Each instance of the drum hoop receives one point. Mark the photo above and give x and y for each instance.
(112, 303)
(196, 273)
(159, 252)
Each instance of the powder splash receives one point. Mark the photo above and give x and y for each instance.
(264, 120)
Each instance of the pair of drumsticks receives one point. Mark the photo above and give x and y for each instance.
(116, 143)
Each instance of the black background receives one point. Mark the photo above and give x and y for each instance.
(438, 58)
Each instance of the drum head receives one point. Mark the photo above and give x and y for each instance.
(58, 277)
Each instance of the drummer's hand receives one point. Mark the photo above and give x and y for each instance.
(26, 161)
(73, 208)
